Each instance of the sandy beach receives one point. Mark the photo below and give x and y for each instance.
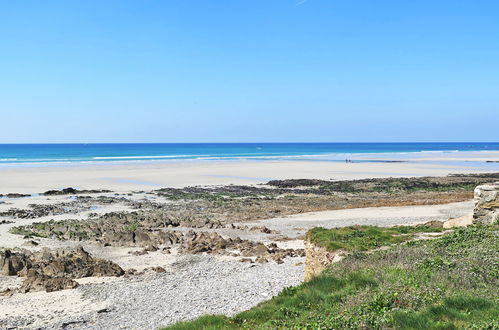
(155, 174)
(172, 241)
(191, 285)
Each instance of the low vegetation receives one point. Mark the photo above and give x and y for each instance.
(446, 283)
(363, 238)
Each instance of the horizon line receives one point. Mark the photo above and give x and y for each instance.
(257, 142)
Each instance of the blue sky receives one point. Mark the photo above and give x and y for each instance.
(249, 70)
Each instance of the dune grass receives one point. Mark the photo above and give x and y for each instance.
(447, 283)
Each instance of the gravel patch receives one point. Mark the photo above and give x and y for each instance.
(194, 286)
(198, 285)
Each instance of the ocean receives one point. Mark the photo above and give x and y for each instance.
(54, 154)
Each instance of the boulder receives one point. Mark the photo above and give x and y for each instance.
(36, 281)
(486, 204)
(12, 263)
(463, 221)
(53, 270)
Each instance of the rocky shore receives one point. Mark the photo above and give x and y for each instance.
(150, 258)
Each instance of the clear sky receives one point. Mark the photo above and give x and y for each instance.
(249, 70)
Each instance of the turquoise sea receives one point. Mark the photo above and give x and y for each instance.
(47, 154)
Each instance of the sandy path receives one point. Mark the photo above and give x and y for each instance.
(298, 224)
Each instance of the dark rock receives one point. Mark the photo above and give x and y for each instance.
(31, 243)
(13, 263)
(36, 281)
(213, 243)
(158, 269)
(5, 222)
(73, 191)
(53, 270)
(138, 253)
(16, 195)
(262, 229)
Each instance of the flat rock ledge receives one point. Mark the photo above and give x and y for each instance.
(486, 204)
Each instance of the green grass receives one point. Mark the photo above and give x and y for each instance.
(446, 283)
(363, 238)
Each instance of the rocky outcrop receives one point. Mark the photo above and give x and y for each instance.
(116, 228)
(144, 229)
(15, 195)
(42, 210)
(36, 281)
(73, 191)
(486, 204)
(12, 263)
(318, 258)
(450, 182)
(213, 243)
(53, 270)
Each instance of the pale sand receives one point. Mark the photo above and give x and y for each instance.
(152, 175)
(461, 156)
(53, 306)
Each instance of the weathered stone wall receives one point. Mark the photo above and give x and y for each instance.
(486, 204)
(318, 258)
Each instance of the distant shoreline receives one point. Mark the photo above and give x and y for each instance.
(144, 175)
(35, 155)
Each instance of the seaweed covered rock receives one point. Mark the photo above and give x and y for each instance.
(73, 191)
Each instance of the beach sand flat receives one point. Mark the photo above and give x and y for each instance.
(190, 285)
(155, 174)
